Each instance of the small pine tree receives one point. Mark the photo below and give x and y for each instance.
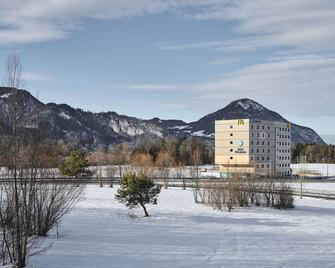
(75, 164)
(137, 191)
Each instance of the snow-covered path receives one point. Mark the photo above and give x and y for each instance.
(100, 232)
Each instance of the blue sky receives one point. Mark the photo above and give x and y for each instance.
(178, 58)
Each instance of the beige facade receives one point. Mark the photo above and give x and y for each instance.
(253, 146)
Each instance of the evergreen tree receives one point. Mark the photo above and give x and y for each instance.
(75, 164)
(137, 191)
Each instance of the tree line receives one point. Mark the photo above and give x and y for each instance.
(169, 151)
(313, 153)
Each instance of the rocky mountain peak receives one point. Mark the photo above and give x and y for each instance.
(63, 122)
(247, 104)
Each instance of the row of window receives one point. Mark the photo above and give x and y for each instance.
(280, 143)
(283, 143)
(263, 166)
(258, 127)
(283, 165)
(283, 157)
(285, 129)
(283, 136)
(283, 150)
(257, 150)
(260, 142)
(258, 135)
(258, 158)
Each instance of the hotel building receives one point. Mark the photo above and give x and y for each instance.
(253, 146)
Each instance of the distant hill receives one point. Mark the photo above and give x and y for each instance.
(63, 122)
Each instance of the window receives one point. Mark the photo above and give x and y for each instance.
(263, 135)
(257, 127)
(231, 150)
(231, 134)
(252, 150)
(268, 158)
(268, 143)
(268, 127)
(251, 142)
(262, 127)
(268, 150)
(268, 166)
(231, 158)
(257, 158)
(262, 142)
(262, 165)
(231, 142)
(251, 158)
(231, 126)
(252, 126)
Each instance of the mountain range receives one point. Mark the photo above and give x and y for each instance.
(71, 125)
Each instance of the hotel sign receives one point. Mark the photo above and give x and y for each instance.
(240, 148)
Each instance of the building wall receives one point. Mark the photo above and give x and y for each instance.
(262, 144)
(232, 145)
(244, 145)
(283, 148)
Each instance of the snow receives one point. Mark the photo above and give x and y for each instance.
(179, 127)
(100, 232)
(247, 104)
(201, 133)
(64, 116)
(320, 168)
(6, 96)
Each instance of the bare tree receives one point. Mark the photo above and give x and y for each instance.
(180, 175)
(164, 162)
(28, 207)
(111, 172)
(196, 161)
(239, 191)
(121, 156)
(142, 164)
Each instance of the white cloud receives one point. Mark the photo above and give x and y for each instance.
(257, 23)
(307, 24)
(24, 21)
(301, 85)
(224, 61)
(37, 77)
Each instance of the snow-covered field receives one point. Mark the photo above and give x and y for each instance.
(100, 232)
(318, 168)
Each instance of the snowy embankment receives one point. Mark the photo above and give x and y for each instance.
(321, 169)
(100, 232)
